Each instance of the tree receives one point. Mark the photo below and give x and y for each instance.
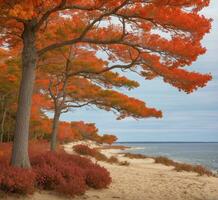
(69, 87)
(9, 81)
(124, 29)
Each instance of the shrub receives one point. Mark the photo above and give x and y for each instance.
(164, 160)
(16, 180)
(73, 180)
(61, 172)
(75, 159)
(95, 153)
(68, 174)
(55, 173)
(113, 159)
(47, 177)
(97, 177)
(134, 156)
(177, 166)
(183, 166)
(84, 150)
(100, 156)
(193, 168)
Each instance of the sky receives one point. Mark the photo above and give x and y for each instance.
(192, 117)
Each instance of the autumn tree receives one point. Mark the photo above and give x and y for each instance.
(128, 31)
(63, 79)
(9, 82)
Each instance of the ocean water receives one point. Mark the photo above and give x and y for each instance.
(205, 154)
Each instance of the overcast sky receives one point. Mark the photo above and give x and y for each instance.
(191, 117)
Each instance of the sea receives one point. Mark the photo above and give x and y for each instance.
(200, 153)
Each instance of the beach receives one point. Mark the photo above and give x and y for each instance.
(143, 180)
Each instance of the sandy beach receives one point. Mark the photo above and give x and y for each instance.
(144, 180)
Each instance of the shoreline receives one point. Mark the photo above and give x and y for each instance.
(145, 180)
(193, 162)
(141, 180)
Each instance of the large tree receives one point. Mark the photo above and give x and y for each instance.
(129, 31)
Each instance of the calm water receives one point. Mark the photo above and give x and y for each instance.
(205, 154)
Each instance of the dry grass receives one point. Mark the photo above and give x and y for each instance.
(164, 160)
(134, 156)
(193, 168)
(177, 166)
(183, 166)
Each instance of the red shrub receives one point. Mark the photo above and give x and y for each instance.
(75, 159)
(47, 177)
(95, 153)
(67, 174)
(84, 150)
(73, 180)
(97, 177)
(55, 173)
(16, 180)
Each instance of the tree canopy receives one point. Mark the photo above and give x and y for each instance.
(153, 38)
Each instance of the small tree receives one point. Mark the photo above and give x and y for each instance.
(77, 78)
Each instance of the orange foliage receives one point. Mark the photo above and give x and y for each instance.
(74, 77)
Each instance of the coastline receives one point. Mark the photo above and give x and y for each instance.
(142, 180)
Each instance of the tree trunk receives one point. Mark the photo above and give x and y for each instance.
(55, 127)
(20, 157)
(3, 124)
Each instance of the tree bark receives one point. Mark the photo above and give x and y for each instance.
(3, 124)
(55, 127)
(20, 157)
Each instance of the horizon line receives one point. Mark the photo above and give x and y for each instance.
(166, 142)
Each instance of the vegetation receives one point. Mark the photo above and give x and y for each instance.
(37, 31)
(95, 153)
(61, 172)
(177, 166)
(183, 166)
(136, 156)
(49, 61)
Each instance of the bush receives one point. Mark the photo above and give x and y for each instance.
(134, 156)
(84, 150)
(55, 173)
(47, 177)
(183, 166)
(82, 162)
(61, 172)
(97, 177)
(16, 180)
(193, 168)
(164, 160)
(68, 174)
(113, 159)
(73, 180)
